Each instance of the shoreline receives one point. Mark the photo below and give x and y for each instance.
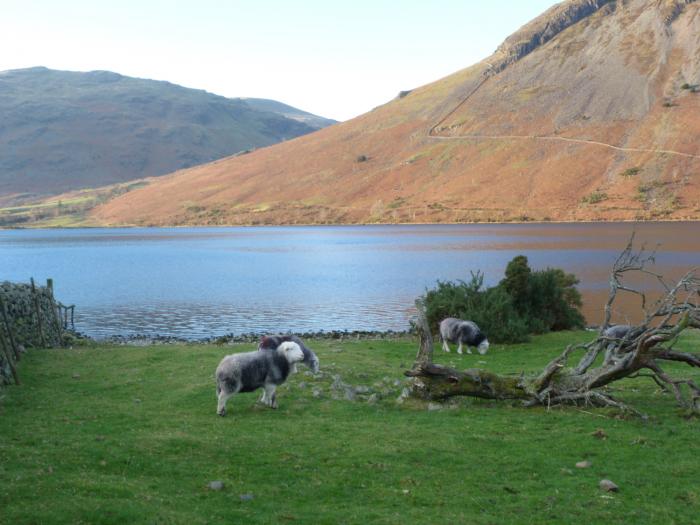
(232, 339)
(350, 224)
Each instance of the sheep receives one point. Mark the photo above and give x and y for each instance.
(249, 371)
(271, 342)
(616, 334)
(617, 331)
(463, 332)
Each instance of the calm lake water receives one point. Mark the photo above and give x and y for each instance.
(199, 282)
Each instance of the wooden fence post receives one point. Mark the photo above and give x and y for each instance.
(37, 309)
(56, 312)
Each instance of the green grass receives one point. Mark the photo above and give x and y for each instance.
(106, 434)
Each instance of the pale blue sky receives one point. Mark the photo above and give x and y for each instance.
(335, 59)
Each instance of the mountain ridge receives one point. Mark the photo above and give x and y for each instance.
(599, 121)
(63, 130)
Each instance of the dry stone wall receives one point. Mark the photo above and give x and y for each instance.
(29, 317)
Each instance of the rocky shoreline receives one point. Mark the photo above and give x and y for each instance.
(253, 337)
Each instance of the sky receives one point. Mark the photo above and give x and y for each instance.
(337, 59)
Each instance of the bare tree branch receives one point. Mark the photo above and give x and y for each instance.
(627, 350)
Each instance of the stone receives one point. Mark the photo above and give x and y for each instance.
(434, 406)
(372, 400)
(317, 392)
(583, 464)
(216, 485)
(76, 376)
(246, 497)
(360, 389)
(608, 486)
(302, 385)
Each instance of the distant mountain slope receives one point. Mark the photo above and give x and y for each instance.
(264, 104)
(589, 112)
(64, 130)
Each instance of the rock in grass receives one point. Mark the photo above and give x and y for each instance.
(216, 485)
(583, 464)
(600, 434)
(246, 497)
(434, 406)
(608, 486)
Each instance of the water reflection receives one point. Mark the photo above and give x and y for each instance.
(196, 282)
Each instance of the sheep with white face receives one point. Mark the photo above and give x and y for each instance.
(465, 333)
(246, 372)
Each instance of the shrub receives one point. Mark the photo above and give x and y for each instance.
(524, 302)
(686, 86)
(362, 158)
(595, 197)
(552, 302)
(491, 308)
(631, 172)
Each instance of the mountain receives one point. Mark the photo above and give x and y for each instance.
(589, 112)
(272, 106)
(63, 130)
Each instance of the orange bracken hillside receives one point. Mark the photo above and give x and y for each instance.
(589, 112)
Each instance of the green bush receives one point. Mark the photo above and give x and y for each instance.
(552, 302)
(490, 308)
(523, 303)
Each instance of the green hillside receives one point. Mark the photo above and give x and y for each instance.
(62, 130)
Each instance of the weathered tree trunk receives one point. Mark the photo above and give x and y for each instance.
(642, 348)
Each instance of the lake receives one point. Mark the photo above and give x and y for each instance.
(200, 282)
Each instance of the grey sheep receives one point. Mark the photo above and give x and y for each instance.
(249, 371)
(463, 332)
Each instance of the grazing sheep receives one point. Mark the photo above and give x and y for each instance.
(271, 342)
(463, 332)
(249, 371)
(619, 332)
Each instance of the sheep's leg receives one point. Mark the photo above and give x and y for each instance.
(445, 346)
(459, 348)
(223, 398)
(271, 395)
(469, 349)
(263, 399)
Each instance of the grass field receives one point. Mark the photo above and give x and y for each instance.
(105, 434)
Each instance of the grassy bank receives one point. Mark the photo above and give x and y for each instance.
(129, 435)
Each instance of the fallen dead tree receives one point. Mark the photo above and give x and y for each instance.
(640, 353)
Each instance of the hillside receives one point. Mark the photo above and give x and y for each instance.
(63, 130)
(589, 112)
(272, 106)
